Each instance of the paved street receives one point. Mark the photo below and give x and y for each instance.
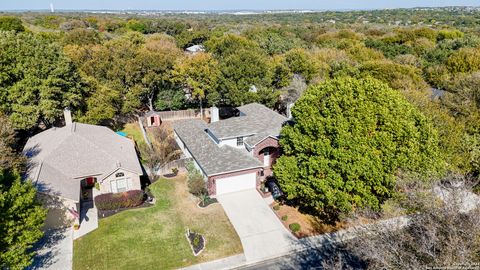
(308, 259)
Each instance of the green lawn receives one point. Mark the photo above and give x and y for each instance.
(153, 238)
(133, 130)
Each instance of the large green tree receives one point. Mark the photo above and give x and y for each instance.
(198, 74)
(11, 23)
(241, 72)
(133, 67)
(21, 217)
(36, 81)
(349, 140)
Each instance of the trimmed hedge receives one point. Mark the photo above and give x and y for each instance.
(114, 201)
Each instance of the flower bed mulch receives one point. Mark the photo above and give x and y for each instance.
(108, 213)
(197, 242)
(149, 200)
(207, 202)
(309, 225)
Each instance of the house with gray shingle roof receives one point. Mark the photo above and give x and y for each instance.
(235, 153)
(67, 162)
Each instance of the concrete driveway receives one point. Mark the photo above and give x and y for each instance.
(262, 234)
(54, 250)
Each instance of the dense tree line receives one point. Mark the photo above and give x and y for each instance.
(21, 216)
(417, 71)
(106, 66)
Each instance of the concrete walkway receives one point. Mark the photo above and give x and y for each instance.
(262, 234)
(88, 220)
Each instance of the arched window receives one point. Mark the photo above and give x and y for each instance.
(120, 174)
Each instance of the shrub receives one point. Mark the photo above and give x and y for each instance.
(196, 185)
(113, 201)
(191, 168)
(295, 227)
(276, 207)
(10, 23)
(196, 240)
(175, 171)
(284, 218)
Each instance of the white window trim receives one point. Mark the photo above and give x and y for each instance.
(114, 184)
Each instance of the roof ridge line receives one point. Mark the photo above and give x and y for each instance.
(117, 160)
(98, 147)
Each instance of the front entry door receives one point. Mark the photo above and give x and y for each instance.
(266, 157)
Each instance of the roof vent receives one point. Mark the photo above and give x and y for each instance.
(119, 164)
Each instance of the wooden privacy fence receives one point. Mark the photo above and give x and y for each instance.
(144, 133)
(183, 114)
(179, 163)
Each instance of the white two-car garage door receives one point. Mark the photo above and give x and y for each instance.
(236, 183)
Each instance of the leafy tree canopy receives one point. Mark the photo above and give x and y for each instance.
(230, 44)
(36, 81)
(21, 217)
(350, 138)
(10, 23)
(199, 74)
(464, 60)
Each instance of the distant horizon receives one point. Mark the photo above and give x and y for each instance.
(220, 10)
(225, 10)
(222, 5)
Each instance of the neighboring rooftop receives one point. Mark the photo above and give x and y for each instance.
(59, 158)
(212, 158)
(255, 119)
(195, 48)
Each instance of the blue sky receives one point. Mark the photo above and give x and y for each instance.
(227, 5)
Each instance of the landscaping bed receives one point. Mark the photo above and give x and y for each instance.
(109, 204)
(109, 213)
(308, 225)
(205, 203)
(197, 242)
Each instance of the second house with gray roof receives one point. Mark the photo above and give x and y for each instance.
(236, 153)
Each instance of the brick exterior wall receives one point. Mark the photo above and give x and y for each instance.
(267, 142)
(211, 183)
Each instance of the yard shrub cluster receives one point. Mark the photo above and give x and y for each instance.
(295, 227)
(113, 201)
(196, 183)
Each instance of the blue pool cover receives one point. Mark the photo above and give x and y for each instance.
(121, 133)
